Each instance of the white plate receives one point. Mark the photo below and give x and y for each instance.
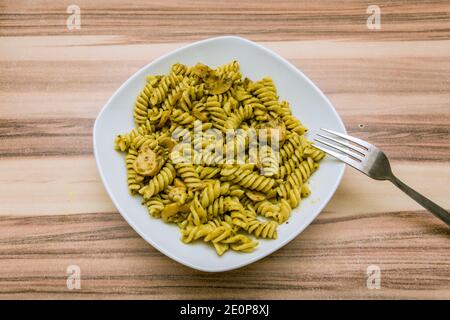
(309, 104)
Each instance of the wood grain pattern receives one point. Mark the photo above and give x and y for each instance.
(390, 87)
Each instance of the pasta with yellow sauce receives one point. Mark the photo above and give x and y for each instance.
(212, 197)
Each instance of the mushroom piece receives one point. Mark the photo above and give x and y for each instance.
(178, 194)
(203, 71)
(213, 83)
(146, 163)
(145, 148)
(218, 86)
(167, 142)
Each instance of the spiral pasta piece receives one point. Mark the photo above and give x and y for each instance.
(190, 177)
(242, 243)
(216, 208)
(155, 205)
(207, 172)
(210, 193)
(314, 153)
(161, 91)
(192, 233)
(218, 234)
(267, 229)
(236, 119)
(267, 209)
(159, 182)
(134, 180)
(198, 213)
(247, 179)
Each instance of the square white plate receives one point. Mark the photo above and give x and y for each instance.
(309, 104)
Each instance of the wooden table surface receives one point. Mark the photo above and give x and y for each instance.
(390, 86)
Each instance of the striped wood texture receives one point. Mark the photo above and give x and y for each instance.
(391, 87)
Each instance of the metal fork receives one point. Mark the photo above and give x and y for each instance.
(371, 161)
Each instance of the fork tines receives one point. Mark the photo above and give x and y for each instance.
(351, 150)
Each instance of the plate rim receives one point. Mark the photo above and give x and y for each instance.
(138, 230)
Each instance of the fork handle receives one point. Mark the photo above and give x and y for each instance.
(438, 211)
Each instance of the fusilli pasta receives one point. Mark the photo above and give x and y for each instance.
(206, 115)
